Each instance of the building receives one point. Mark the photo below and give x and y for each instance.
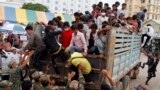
(153, 7)
(63, 6)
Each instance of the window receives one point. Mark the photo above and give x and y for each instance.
(156, 17)
(48, 1)
(64, 3)
(86, 1)
(152, 16)
(56, 8)
(143, 1)
(79, 5)
(56, 2)
(154, 9)
(64, 9)
(149, 1)
(141, 8)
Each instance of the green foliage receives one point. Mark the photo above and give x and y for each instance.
(37, 7)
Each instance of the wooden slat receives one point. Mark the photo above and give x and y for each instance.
(122, 49)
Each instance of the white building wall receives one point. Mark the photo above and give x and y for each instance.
(63, 6)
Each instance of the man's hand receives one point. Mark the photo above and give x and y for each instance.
(71, 75)
(30, 53)
(81, 67)
(85, 53)
(108, 27)
(106, 73)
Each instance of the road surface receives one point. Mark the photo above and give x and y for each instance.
(153, 83)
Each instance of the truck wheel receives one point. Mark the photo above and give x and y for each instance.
(119, 86)
(126, 83)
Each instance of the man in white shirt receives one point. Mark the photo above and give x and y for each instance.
(91, 38)
(122, 11)
(101, 19)
(149, 34)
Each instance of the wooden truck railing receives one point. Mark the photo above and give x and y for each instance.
(123, 52)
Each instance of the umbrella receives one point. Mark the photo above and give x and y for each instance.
(14, 28)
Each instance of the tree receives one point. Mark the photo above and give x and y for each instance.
(37, 7)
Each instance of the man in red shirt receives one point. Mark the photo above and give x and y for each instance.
(66, 34)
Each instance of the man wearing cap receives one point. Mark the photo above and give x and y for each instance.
(45, 82)
(35, 43)
(15, 71)
(37, 78)
(5, 85)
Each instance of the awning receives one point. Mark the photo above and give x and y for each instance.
(24, 16)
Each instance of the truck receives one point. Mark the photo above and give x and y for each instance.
(121, 58)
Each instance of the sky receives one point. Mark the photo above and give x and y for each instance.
(112, 1)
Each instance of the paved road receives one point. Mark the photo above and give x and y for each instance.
(154, 83)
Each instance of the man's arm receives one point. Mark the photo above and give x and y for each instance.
(84, 43)
(81, 80)
(105, 72)
(70, 76)
(71, 43)
(30, 43)
(26, 61)
(56, 32)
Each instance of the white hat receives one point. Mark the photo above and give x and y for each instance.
(45, 77)
(10, 63)
(37, 74)
(74, 84)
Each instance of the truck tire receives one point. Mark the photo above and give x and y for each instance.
(126, 83)
(119, 86)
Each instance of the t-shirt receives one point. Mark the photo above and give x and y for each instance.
(66, 37)
(150, 31)
(76, 61)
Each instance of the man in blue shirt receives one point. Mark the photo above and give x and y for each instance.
(142, 14)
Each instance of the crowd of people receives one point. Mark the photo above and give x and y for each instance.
(71, 42)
